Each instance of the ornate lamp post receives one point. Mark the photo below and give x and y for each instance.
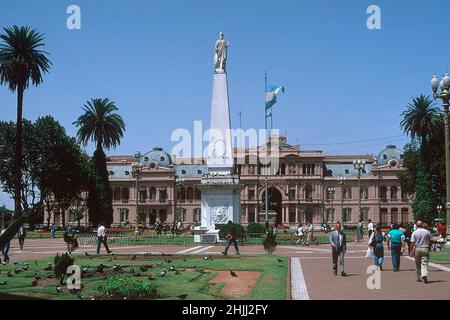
(331, 191)
(359, 166)
(341, 181)
(137, 168)
(444, 95)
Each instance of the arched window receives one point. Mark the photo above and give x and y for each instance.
(308, 169)
(313, 167)
(384, 216)
(405, 216)
(304, 169)
(190, 194)
(394, 215)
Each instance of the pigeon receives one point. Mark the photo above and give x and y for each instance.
(100, 268)
(148, 266)
(132, 271)
(15, 263)
(36, 276)
(34, 283)
(17, 270)
(182, 296)
(162, 274)
(233, 274)
(279, 260)
(205, 258)
(25, 268)
(2, 283)
(137, 274)
(168, 260)
(59, 289)
(133, 257)
(151, 277)
(172, 268)
(211, 258)
(117, 268)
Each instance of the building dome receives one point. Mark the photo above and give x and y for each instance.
(390, 156)
(157, 155)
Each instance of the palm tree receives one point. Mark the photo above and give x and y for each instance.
(100, 124)
(105, 128)
(21, 62)
(420, 119)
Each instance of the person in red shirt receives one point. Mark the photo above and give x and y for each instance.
(442, 229)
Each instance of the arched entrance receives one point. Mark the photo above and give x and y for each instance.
(275, 200)
(309, 213)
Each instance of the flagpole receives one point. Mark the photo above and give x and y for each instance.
(267, 149)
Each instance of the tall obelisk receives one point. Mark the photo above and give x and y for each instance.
(221, 189)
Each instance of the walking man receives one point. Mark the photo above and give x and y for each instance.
(338, 243)
(5, 250)
(396, 243)
(231, 238)
(102, 238)
(420, 249)
(21, 235)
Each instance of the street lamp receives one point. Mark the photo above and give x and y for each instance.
(331, 191)
(439, 209)
(137, 168)
(444, 95)
(359, 166)
(341, 181)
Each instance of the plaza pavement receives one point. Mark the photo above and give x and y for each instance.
(310, 269)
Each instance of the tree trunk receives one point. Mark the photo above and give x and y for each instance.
(18, 153)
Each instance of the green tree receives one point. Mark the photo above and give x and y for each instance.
(52, 166)
(100, 124)
(419, 119)
(423, 201)
(21, 62)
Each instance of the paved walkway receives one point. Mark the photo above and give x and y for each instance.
(311, 274)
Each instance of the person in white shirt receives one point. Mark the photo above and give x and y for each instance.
(370, 227)
(420, 249)
(5, 250)
(300, 234)
(102, 238)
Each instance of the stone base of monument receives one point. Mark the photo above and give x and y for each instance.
(203, 235)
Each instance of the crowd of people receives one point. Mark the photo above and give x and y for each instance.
(415, 237)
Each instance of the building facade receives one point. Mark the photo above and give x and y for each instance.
(308, 187)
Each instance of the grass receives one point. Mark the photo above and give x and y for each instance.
(271, 284)
(440, 256)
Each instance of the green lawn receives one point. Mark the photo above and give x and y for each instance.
(271, 284)
(440, 256)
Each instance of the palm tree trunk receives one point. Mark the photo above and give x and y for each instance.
(18, 155)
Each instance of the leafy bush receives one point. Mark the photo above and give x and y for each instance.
(256, 228)
(127, 286)
(269, 242)
(61, 265)
(223, 230)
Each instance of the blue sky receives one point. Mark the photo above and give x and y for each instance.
(343, 81)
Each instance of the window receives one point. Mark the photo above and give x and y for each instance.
(143, 195)
(190, 194)
(197, 215)
(405, 216)
(364, 214)
(283, 169)
(383, 193)
(199, 172)
(329, 194)
(313, 166)
(347, 215)
(152, 193)
(394, 215)
(292, 213)
(404, 196)
(291, 194)
(346, 171)
(125, 195)
(162, 196)
(123, 216)
(308, 192)
(182, 195)
(111, 173)
(304, 169)
(308, 169)
(117, 193)
(127, 173)
(347, 193)
(384, 216)
(364, 193)
(251, 194)
(197, 194)
(162, 158)
(393, 193)
(330, 215)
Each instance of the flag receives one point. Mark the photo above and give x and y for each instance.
(271, 95)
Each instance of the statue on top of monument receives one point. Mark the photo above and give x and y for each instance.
(220, 56)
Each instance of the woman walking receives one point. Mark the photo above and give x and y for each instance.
(376, 242)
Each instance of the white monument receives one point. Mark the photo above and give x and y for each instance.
(221, 189)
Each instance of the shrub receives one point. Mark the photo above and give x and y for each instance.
(223, 230)
(61, 265)
(127, 286)
(256, 228)
(269, 242)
